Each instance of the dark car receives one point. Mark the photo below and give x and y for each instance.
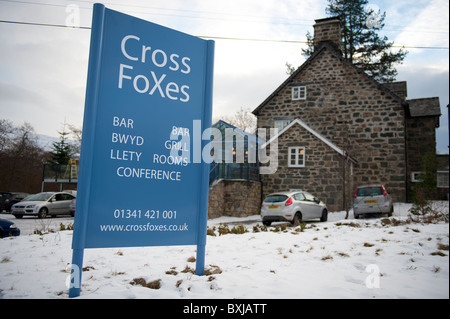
(7, 199)
(8, 228)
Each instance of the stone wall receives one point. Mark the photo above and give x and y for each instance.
(421, 140)
(322, 176)
(234, 198)
(442, 165)
(352, 111)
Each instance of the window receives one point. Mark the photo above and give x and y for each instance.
(281, 123)
(415, 177)
(299, 196)
(369, 191)
(275, 198)
(309, 197)
(442, 179)
(299, 93)
(296, 157)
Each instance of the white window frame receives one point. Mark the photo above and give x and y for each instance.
(281, 123)
(298, 152)
(299, 93)
(415, 177)
(442, 181)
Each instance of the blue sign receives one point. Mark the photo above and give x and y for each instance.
(139, 184)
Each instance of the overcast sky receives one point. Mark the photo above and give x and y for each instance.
(43, 69)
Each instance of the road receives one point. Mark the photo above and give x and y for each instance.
(29, 224)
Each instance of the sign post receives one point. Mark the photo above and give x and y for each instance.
(148, 99)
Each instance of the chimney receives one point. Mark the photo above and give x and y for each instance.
(398, 88)
(328, 30)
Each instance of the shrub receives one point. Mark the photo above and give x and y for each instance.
(63, 227)
(223, 229)
(240, 229)
(191, 259)
(259, 228)
(211, 231)
(422, 210)
(156, 284)
(214, 270)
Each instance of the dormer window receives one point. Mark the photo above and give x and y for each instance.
(299, 93)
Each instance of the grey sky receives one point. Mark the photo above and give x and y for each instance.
(43, 69)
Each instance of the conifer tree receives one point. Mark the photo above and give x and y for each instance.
(62, 150)
(361, 43)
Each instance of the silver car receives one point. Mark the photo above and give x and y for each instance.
(372, 199)
(43, 204)
(294, 207)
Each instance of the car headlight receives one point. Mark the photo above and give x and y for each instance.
(30, 206)
(13, 226)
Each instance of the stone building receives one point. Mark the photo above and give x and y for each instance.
(339, 128)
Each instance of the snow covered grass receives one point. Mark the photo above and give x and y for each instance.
(365, 258)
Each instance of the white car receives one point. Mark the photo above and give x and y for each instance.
(293, 207)
(43, 204)
(372, 199)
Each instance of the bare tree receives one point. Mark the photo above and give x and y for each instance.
(21, 158)
(6, 130)
(76, 133)
(242, 119)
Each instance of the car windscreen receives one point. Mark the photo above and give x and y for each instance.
(38, 197)
(369, 191)
(275, 198)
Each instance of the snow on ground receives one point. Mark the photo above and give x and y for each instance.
(364, 258)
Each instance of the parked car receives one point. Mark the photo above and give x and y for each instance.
(43, 204)
(7, 199)
(8, 228)
(372, 199)
(293, 207)
(72, 207)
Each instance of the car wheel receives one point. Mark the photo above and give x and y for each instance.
(266, 223)
(391, 212)
(297, 219)
(324, 217)
(43, 212)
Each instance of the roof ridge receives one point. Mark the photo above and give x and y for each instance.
(308, 61)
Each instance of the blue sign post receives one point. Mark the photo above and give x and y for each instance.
(148, 98)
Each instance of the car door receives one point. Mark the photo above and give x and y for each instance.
(59, 204)
(300, 205)
(312, 207)
(52, 204)
(65, 203)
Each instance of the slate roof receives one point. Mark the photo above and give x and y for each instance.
(308, 61)
(424, 107)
